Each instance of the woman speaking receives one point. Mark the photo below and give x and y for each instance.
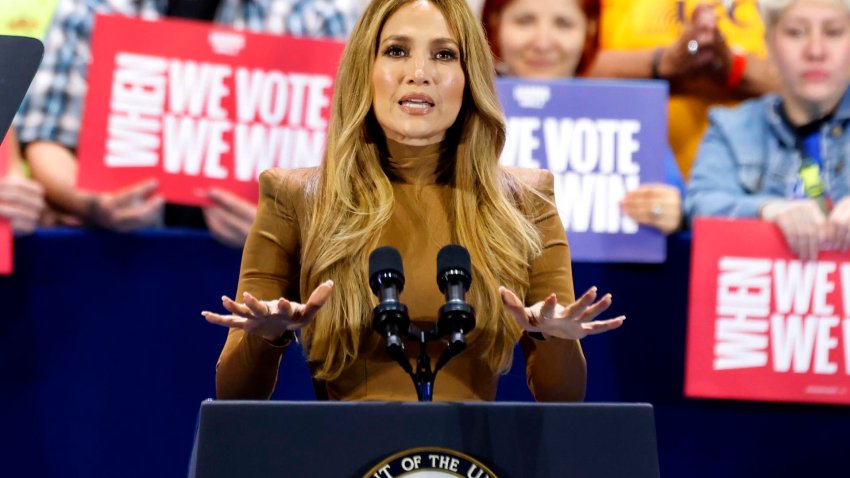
(411, 162)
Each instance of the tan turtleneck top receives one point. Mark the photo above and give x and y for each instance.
(419, 227)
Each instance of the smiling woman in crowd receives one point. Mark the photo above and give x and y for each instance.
(552, 39)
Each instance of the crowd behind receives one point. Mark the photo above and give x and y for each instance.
(758, 109)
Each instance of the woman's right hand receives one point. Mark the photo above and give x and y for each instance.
(695, 49)
(270, 319)
(802, 223)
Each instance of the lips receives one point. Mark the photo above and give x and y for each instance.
(815, 75)
(416, 100)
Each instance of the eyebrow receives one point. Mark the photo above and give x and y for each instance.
(407, 39)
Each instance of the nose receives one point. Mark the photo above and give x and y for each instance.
(420, 70)
(543, 37)
(815, 46)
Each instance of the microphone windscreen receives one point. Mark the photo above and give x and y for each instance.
(385, 259)
(453, 256)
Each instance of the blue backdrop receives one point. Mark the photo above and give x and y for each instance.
(105, 359)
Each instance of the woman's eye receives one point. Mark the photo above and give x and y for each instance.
(524, 20)
(565, 23)
(834, 32)
(446, 55)
(395, 51)
(794, 32)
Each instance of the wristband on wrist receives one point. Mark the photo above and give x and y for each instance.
(656, 61)
(536, 335)
(92, 212)
(736, 69)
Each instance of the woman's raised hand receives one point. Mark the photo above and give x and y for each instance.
(574, 321)
(270, 319)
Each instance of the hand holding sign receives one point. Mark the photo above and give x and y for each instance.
(657, 205)
(802, 224)
(133, 207)
(229, 217)
(574, 321)
(838, 226)
(21, 202)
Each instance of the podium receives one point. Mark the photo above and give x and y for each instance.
(357, 439)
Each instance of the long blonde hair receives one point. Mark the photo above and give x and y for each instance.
(353, 200)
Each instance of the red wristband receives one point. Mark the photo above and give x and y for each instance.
(736, 69)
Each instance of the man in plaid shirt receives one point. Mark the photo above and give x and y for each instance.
(49, 120)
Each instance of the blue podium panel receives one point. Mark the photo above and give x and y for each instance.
(305, 440)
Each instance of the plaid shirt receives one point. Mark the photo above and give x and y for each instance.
(53, 107)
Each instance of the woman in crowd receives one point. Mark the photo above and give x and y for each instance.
(710, 52)
(411, 162)
(551, 39)
(784, 158)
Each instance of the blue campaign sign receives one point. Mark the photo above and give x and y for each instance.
(600, 139)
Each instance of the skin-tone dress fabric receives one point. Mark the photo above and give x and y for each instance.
(419, 227)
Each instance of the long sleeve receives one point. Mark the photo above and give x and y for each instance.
(555, 368)
(716, 187)
(248, 365)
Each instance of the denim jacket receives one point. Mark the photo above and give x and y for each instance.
(749, 157)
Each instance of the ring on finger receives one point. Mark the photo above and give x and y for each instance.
(693, 47)
(656, 210)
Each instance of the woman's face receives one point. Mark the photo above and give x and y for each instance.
(810, 45)
(417, 79)
(542, 38)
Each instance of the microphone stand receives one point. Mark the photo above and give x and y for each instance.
(424, 377)
(390, 317)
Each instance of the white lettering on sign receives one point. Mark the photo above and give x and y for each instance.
(137, 103)
(592, 161)
(781, 313)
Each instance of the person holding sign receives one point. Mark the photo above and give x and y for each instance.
(551, 39)
(411, 162)
(49, 123)
(784, 158)
(710, 52)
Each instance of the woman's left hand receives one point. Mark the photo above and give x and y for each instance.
(574, 321)
(837, 227)
(656, 205)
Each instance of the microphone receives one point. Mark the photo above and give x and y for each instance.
(389, 318)
(457, 317)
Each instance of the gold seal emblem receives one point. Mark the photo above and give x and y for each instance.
(430, 462)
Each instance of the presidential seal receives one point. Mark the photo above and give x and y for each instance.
(430, 462)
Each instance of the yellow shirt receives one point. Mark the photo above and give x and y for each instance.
(26, 17)
(643, 24)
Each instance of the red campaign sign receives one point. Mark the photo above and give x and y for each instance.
(764, 325)
(6, 238)
(198, 106)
